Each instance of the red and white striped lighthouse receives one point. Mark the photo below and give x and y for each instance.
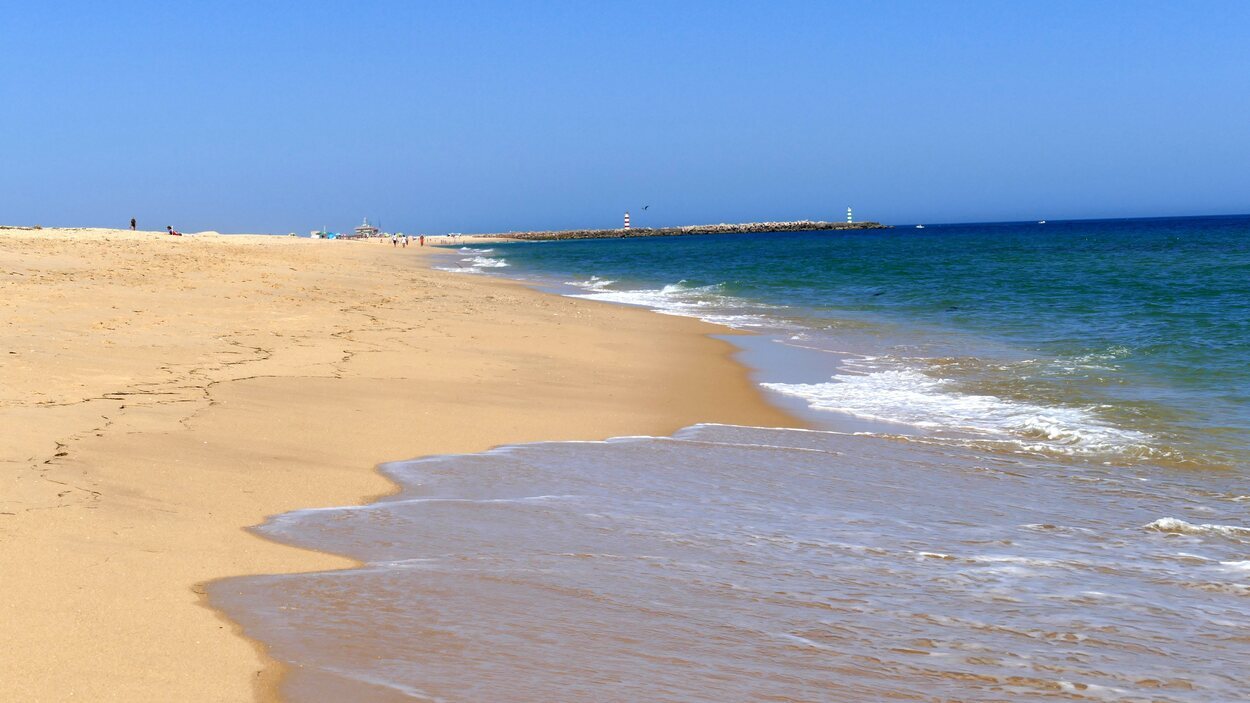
(627, 220)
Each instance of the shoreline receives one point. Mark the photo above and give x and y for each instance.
(165, 393)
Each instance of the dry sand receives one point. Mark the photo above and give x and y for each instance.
(158, 394)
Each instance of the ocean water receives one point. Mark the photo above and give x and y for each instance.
(1117, 339)
(1026, 480)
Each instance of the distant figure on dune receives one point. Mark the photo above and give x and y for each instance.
(171, 231)
(132, 224)
(423, 240)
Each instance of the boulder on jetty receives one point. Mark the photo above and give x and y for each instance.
(744, 228)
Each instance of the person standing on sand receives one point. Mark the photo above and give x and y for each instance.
(132, 224)
(423, 240)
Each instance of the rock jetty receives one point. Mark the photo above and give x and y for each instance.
(744, 228)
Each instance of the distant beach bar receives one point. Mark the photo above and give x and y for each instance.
(743, 228)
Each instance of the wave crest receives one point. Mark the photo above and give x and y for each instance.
(1176, 526)
(908, 396)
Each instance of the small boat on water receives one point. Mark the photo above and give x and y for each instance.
(919, 226)
(1041, 222)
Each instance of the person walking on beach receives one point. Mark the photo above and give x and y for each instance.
(423, 240)
(132, 224)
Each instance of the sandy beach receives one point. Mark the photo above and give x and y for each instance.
(159, 394)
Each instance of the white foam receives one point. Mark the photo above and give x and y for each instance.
(1116, 351)
(707, 303)
(1180, 527)
(485, 262)
(677, 298)
(908, 396)
(740, 321)
(594, 283)
(474, 264)
(1012, 559)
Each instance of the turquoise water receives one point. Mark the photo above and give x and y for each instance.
(1122, 339)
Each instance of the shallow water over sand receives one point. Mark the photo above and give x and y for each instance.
(747, 564)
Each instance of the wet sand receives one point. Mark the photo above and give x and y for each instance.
(159, 394)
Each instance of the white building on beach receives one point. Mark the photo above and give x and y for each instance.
(366, 230)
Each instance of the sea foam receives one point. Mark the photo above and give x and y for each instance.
(1176, 526)
(475, 264)
(905, 395)
(676, 298)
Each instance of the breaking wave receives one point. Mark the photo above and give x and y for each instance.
(905, 395)
(475, 264)
(1173, 525)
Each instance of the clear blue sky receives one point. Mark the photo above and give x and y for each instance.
(479, 116)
